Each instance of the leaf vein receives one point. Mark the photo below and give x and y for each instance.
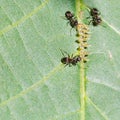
(9, 27)
(32, 87)
(104, 85)
(97, 108)
(112, 27)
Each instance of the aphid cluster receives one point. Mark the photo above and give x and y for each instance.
(96, 19)
(82, 33)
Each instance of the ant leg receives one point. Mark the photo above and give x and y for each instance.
(90, 22)
(69, 65)
(88, 17)
(99, 13)
(72, 56)
(66, 53)
(70, 31)
(63, 17)
(75, 17)
(62, 52)
(65, 65)
(68, 23)
(88, 10)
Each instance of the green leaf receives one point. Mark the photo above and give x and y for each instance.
(34, 85)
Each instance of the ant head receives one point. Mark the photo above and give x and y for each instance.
(94, 12)
(63, 60)
(68, 15)
(78, 58)
(94, 9)
(75, 60)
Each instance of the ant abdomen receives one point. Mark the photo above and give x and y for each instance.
(96, 19)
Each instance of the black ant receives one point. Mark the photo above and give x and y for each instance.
(70, 60)
(96, 20)
(72, 20)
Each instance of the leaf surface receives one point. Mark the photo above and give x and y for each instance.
(33, 83)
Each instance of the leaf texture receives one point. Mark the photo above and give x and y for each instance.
(33, 83)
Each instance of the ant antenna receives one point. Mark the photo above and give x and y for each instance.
(63, 17)
(70, 31)
(64, 52)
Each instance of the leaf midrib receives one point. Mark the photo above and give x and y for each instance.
(82, 91)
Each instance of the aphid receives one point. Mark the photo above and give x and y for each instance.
(84, 55)
(72, 20)
(82, 44)
(82, 33)
(96, 20)
(70, 60)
